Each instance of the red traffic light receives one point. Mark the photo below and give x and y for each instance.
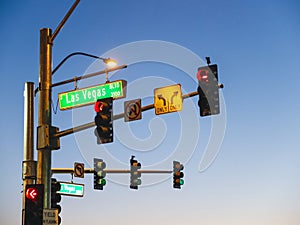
(103, 120)
(103, 105)
(202, 75)
(137, 165)
(32, 193)
(98, 106)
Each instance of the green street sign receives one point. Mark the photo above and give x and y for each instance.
(89, 95)
(71, 189)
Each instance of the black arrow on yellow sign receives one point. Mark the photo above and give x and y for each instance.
(174, 95)
(162, 98)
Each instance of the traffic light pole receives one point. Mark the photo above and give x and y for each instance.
(45, 141)
(44, 115)
(28, 165)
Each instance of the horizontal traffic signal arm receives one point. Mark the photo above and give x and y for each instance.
(91, 170)
(115, 117)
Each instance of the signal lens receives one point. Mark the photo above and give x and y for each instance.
(98, 106)
(32, 193)
(202, 75)
(102, 182)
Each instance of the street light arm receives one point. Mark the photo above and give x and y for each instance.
(69, 56)
(62, 23)
(72, 54)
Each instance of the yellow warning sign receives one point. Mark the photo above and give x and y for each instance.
(168, 99)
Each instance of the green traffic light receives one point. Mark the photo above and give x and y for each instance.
(139, 182)
(102, 182)
(136, 182)
(181, 182)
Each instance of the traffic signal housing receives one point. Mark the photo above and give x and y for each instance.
(103, 120)
(135, 175)
(208, 90)
(177, 175)
(34, 203)
(55, 197)
(99, 174)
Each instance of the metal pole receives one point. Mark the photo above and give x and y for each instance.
(28, 165)
(44, 115)
(28, 120)
(62, 23)
(90, 170)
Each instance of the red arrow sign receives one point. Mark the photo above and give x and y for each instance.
(32, 193)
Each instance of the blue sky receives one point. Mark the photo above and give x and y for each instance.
(255, 177)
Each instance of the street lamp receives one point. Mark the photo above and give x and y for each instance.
(110, 62)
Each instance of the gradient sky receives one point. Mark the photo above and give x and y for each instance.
(254, 178)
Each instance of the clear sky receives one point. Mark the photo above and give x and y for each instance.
(241, 167)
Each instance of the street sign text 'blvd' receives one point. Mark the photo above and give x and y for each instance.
(89, 95)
